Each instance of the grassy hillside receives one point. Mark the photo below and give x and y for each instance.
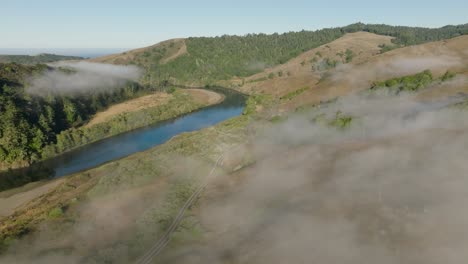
(307, 69)
(160, 53)
(219, 58)
(438, 57)
(41, 58)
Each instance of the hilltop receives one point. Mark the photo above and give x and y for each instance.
(208, 60)
(160, 53)
(324, 73)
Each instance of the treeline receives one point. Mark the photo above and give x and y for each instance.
(28, 123)
(219, 58)
(41, 58)
(410, 35)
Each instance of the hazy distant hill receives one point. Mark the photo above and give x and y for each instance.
(41, 58)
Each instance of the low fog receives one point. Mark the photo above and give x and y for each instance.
(383, 69)
(84, 77)
(391, 188)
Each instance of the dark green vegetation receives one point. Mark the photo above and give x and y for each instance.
(411, 35)
(295, 93)
(28, 123)
(408, 83)
(41, 58)
(340, 121)
(384, 47)
(219, 58)
(448, 75)
(349, 55)
(411, 83)
(14, 74)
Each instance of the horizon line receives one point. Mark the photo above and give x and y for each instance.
(217, 35)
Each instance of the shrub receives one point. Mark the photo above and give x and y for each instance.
(349, 55)
(294, 93)
(409, 83)
(57, 212)
(447, 76)
(172, 90)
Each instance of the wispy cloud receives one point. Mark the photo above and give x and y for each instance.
(85, 77)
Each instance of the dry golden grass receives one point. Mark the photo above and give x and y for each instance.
(298, 71)
(368, 65)
(438, 57)
(159, 98)
(205, 96)
(133, 105)
(174, 47)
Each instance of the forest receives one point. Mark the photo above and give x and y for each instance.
(29, 123)
(41, 58)
(209, 59)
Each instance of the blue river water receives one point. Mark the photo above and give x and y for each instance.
(125, 144)
(142, 139)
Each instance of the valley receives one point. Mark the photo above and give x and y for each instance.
(342, 145)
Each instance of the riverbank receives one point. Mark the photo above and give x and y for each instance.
(203, 97)
(123, 117)
(181, 102)
(12, 199)
(168, 164)
(206, 96)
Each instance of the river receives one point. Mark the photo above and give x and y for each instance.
(122, 145)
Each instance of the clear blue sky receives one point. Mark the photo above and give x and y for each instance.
(136, 23)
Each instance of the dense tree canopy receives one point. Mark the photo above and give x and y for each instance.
(28, 123)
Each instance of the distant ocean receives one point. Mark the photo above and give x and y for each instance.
(86, 53)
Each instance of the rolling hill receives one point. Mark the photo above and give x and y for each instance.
(206, 60)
